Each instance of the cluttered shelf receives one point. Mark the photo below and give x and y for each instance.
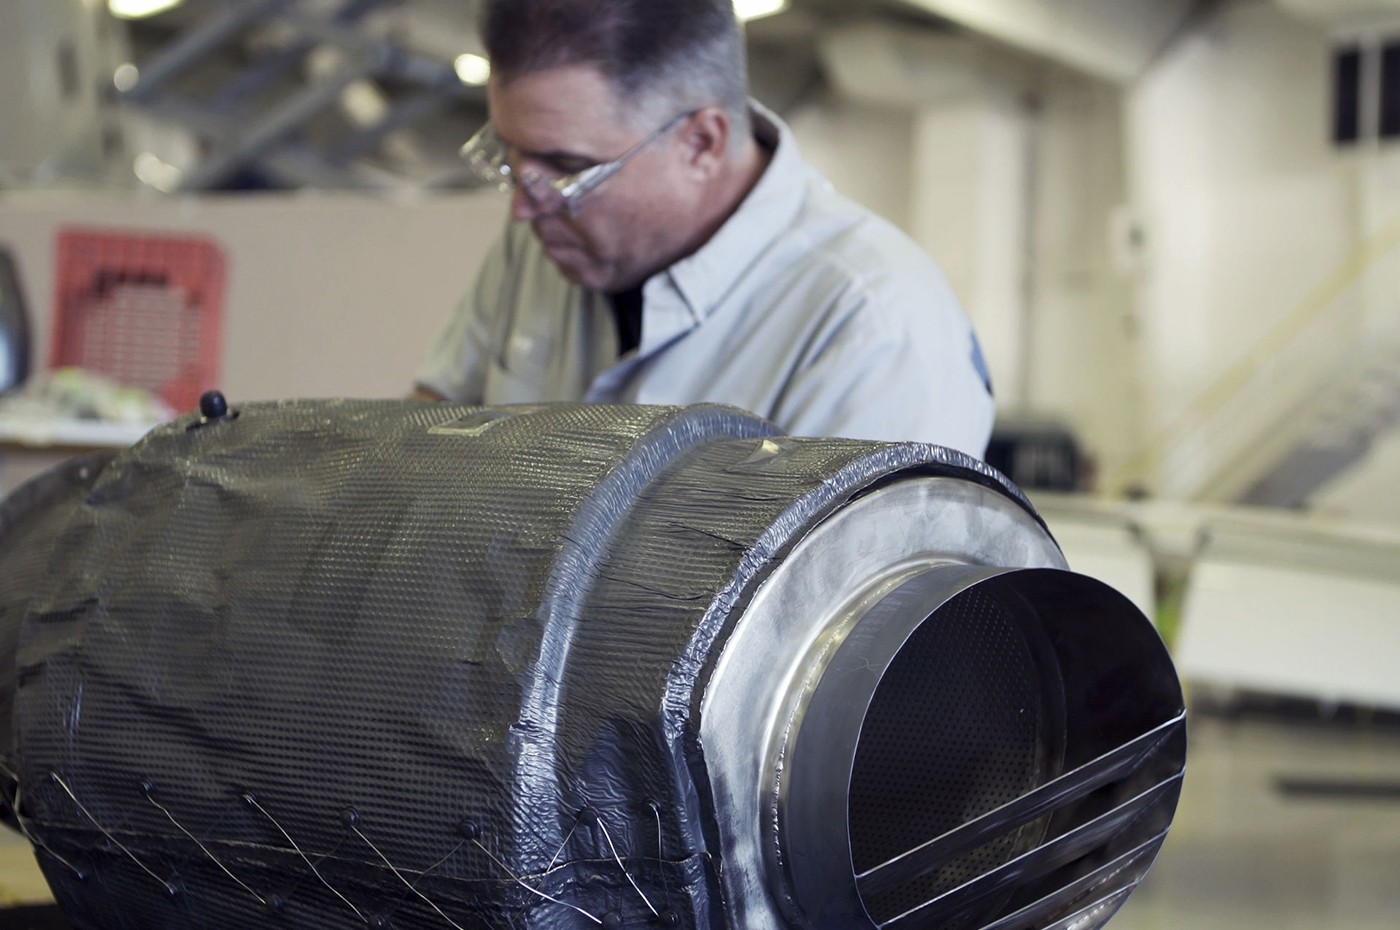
(66, 435)
(69, 412)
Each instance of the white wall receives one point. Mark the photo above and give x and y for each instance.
(51, 85)
(969, 198)
(1248, 208)
(326, 295)
(1083, 328)
(866, 152)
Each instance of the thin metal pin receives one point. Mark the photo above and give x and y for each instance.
(535, 891)
(86, 813)
(212, 857)
(563, 845)
(399, 876)
(660, 854)
(314, 871)
(24, 829)
(434, 867)
(604, 827)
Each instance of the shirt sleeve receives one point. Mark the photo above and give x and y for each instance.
(897, 367)
(455, 365)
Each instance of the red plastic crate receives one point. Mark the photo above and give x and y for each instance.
(144, 310)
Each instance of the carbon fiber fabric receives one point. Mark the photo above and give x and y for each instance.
(396, 664)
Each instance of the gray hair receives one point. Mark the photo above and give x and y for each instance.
(662, 57)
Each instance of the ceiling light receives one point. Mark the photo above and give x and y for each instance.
(140, 9)
(753, 9)
(156, 173)
(472, 69)
(126, 76)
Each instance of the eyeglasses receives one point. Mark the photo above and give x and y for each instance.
(488, 155)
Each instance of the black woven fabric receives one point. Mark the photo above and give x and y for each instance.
(390, 663)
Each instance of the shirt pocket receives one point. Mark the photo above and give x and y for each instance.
(521, 373)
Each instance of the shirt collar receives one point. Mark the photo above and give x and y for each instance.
(703, 278)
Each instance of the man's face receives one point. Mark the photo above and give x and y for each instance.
(564, 120)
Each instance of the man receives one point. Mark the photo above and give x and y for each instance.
(670, 246)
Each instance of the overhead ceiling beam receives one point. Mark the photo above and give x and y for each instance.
(1333, 11)
(400, 116)
(292, 165)
(285, 119)
(267, 140)
(270, 68)
(402, 62)
(302, 167)
(1110, 39)
(193, 46)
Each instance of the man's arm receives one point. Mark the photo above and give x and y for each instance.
(454, 367)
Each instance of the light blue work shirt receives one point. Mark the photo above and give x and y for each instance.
(803, 308)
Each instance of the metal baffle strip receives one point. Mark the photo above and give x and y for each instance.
(1041, 861)
(1071, 786)
(1120, 875)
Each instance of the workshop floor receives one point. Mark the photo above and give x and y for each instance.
(1287, 822)
(20, 881)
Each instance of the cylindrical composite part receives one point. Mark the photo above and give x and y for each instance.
(414, 665)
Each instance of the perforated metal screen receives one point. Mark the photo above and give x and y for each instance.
(959, 726)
